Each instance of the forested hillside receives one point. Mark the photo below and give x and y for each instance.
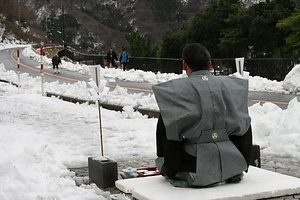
(94, 25)
(229, 28)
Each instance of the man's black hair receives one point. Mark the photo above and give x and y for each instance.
(196, 56)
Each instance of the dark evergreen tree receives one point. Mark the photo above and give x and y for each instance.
(173, 44)
(53, 28)
(292, 25)
(234, 41)
(60, 28)
(140, 45)
(265, 39)
(207, 27)
(165, 9)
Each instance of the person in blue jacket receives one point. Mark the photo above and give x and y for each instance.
(124, 59)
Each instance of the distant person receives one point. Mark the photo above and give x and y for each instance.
(124, 59)
(203, 134)
(55, 62)
(111, 57)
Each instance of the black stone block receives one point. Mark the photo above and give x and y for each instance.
(102, 172)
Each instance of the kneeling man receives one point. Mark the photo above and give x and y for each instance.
(203, 134)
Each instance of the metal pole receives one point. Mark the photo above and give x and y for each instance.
(99, 111)
(64, 36)
(42, 80)
(240, 68)
(19, 13)
(46, 22)
(18, 72)
(42, 68)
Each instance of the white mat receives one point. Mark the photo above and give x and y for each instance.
(256, 184)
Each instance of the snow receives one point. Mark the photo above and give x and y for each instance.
(42, 137)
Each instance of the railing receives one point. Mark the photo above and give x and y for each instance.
(271, 68)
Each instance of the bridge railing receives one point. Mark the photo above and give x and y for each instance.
(271, 68)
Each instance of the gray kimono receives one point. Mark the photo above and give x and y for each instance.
(202, 111)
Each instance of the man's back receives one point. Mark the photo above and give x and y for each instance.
(202, 111)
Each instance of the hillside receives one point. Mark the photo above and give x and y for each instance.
(101, 23)
(95, 25)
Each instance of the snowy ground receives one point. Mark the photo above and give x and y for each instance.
(42, 137)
